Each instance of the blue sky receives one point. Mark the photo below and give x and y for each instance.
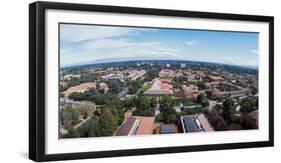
(85, 43)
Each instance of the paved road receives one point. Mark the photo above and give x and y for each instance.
(85, 120)
(123, 93)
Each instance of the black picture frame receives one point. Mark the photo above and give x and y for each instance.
(37, 79)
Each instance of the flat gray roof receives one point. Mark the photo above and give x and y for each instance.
(168, 129)
(189, 124)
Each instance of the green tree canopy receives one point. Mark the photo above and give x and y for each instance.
(248, 104)
(69, 116)
(89, 95)
(168, 113)
(216, 120)
(135, 85)
(228, 109)
(145, 106)
(202, 99)
(114, 86)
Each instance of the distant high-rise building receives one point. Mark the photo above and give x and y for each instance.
(183, 65)
(168, 65)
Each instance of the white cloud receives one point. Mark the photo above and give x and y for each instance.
(254, 51)
(148, 43)
(106, 44)
(75, 33)
(165, 53)
(253, 62)
(192, 42)
(147, 51)
(228, 59)
(115, 48)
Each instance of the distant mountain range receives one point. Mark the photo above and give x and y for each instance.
(124, 59)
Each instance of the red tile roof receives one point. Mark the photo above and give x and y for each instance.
(146, 125)
(205, 123)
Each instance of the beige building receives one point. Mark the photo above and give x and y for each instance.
(216, 78)
(166, 73)
(79, 88)
(190, 91)
(160, 87)
(103, 86)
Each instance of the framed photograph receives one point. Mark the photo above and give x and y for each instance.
(108, 81)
